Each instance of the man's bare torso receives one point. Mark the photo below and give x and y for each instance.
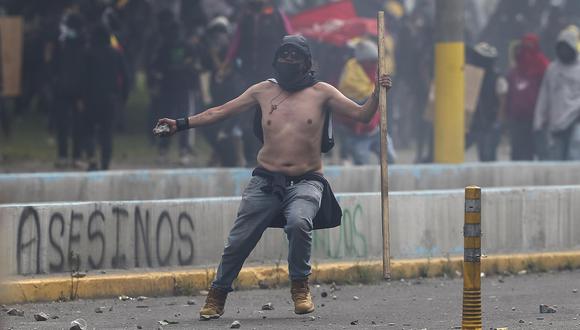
(292, 132)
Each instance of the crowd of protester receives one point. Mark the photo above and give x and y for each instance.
(81, 57)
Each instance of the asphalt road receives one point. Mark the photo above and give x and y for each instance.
(414, 304)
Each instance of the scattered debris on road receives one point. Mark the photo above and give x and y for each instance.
(547, 309)
(41, 316)
(15, 312)
(79, 274)
(268, 307)
(355, 322)
(78, 324)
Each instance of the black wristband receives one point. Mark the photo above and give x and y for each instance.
(182, 123)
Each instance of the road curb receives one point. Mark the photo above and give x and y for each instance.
(180, 282)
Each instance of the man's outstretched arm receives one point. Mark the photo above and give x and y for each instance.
(346, 107)
(212, 115)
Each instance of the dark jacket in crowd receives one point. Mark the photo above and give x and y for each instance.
(107, 74)
(258, 35)
(174, 65)
(488, 103)
(69, 69)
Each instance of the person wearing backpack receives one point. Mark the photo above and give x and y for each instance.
(524, 81)
(288, 189)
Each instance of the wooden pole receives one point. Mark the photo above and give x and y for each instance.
(384, 143)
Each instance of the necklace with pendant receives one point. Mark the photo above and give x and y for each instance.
(273, 106)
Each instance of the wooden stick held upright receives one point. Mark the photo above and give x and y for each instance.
(384, 162)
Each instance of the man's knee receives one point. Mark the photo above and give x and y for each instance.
(239, 242)
(233, 246)
(298, 224)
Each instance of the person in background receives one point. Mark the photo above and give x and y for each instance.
(485, 130)
(558, 106)
(69, 67)
(106, 89)
(524, 82)
(414, 55)
(357, 83)
(164, 19)
(174, 72)
(225, 137)
(260, 28)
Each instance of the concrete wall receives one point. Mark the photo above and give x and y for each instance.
(190, 183)
(38, 238)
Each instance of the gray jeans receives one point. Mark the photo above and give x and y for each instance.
(257, 209)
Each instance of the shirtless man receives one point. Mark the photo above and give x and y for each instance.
(287, 189)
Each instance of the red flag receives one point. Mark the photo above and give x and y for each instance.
(342, 10)
(334, 23)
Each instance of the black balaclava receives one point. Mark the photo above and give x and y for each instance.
(292, 77)
(565, 53)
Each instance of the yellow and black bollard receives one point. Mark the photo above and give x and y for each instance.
(472, 260)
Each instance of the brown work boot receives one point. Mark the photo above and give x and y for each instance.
(214, 304)
(301, 296)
